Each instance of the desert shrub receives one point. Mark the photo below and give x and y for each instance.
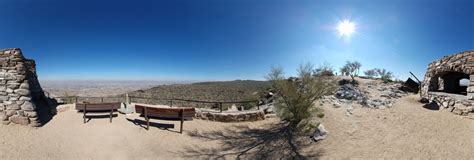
(372, 73)
(351, 69)
(295, 97)
(324, 70)
(385, 75)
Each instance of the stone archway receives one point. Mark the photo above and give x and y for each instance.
(449, 82)
(442, 83)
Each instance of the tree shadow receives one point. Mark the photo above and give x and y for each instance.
(243, 142)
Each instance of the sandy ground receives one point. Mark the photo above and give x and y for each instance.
(67, 137)
(407, 130)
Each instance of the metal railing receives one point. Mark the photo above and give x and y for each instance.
(158, 101)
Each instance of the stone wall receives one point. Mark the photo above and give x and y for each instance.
(443, 75)
(457, 63)
(238, 116)
(18, 87)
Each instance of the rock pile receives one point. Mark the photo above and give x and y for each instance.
(373, 95)
(18, 87)
(350, 93)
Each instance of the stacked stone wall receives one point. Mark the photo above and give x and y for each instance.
(18, 87)
(462, 63)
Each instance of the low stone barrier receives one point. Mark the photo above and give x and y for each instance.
(238, 116)
(453, 103)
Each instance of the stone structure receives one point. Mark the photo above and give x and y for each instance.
(19, 87)
(442, 83)
(238, 116)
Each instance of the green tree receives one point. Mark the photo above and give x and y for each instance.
(295, 97)
(324, 70)
(385, 75)
(351, 69)
(372, 73)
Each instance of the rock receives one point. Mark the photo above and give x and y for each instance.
(13, 106)
(9, 90)
(13, 85)
(320, 133)
(28, 106)
(445, 104)
(337, 104)
(3, 116)
(4, 98)
(31, 114)
(19, 120)
(233, 108)
(269, 110)
(24, 86)
(10, 113)
(22, 92)
(34, 123)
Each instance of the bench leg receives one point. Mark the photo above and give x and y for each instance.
(147, 122)
(111, 112)
(84, 116)
(181, 126)
(182, 121)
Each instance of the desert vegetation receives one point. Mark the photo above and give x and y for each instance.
(351, 69)
(383, 74)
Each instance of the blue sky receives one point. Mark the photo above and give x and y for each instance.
(227, 39)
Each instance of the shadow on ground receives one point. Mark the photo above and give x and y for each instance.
(161, 126)
(272, 142)
(45, 108)
(431, 106)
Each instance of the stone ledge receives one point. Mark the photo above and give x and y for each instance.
(244, 116)
(456, 104)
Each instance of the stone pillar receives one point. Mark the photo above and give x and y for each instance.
(16, 100)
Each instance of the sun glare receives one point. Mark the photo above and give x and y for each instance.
(346, 28)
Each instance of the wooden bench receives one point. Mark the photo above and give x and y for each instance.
(165, 113)
(98, 108)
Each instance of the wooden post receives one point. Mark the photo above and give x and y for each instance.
(220, 106)
(102, 100)
(76, 99)
(171, 103)
(258, 106)
(181, 114)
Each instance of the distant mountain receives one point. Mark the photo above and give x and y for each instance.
(238, 90)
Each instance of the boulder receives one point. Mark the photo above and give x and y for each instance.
(319, 134)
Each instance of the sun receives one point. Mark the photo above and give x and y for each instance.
(346, 28)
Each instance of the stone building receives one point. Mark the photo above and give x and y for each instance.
(449, 82)
(19, 88)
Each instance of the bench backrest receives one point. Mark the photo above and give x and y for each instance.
(98, 106)
(172, 113)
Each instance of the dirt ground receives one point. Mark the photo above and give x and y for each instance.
(407, 130)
